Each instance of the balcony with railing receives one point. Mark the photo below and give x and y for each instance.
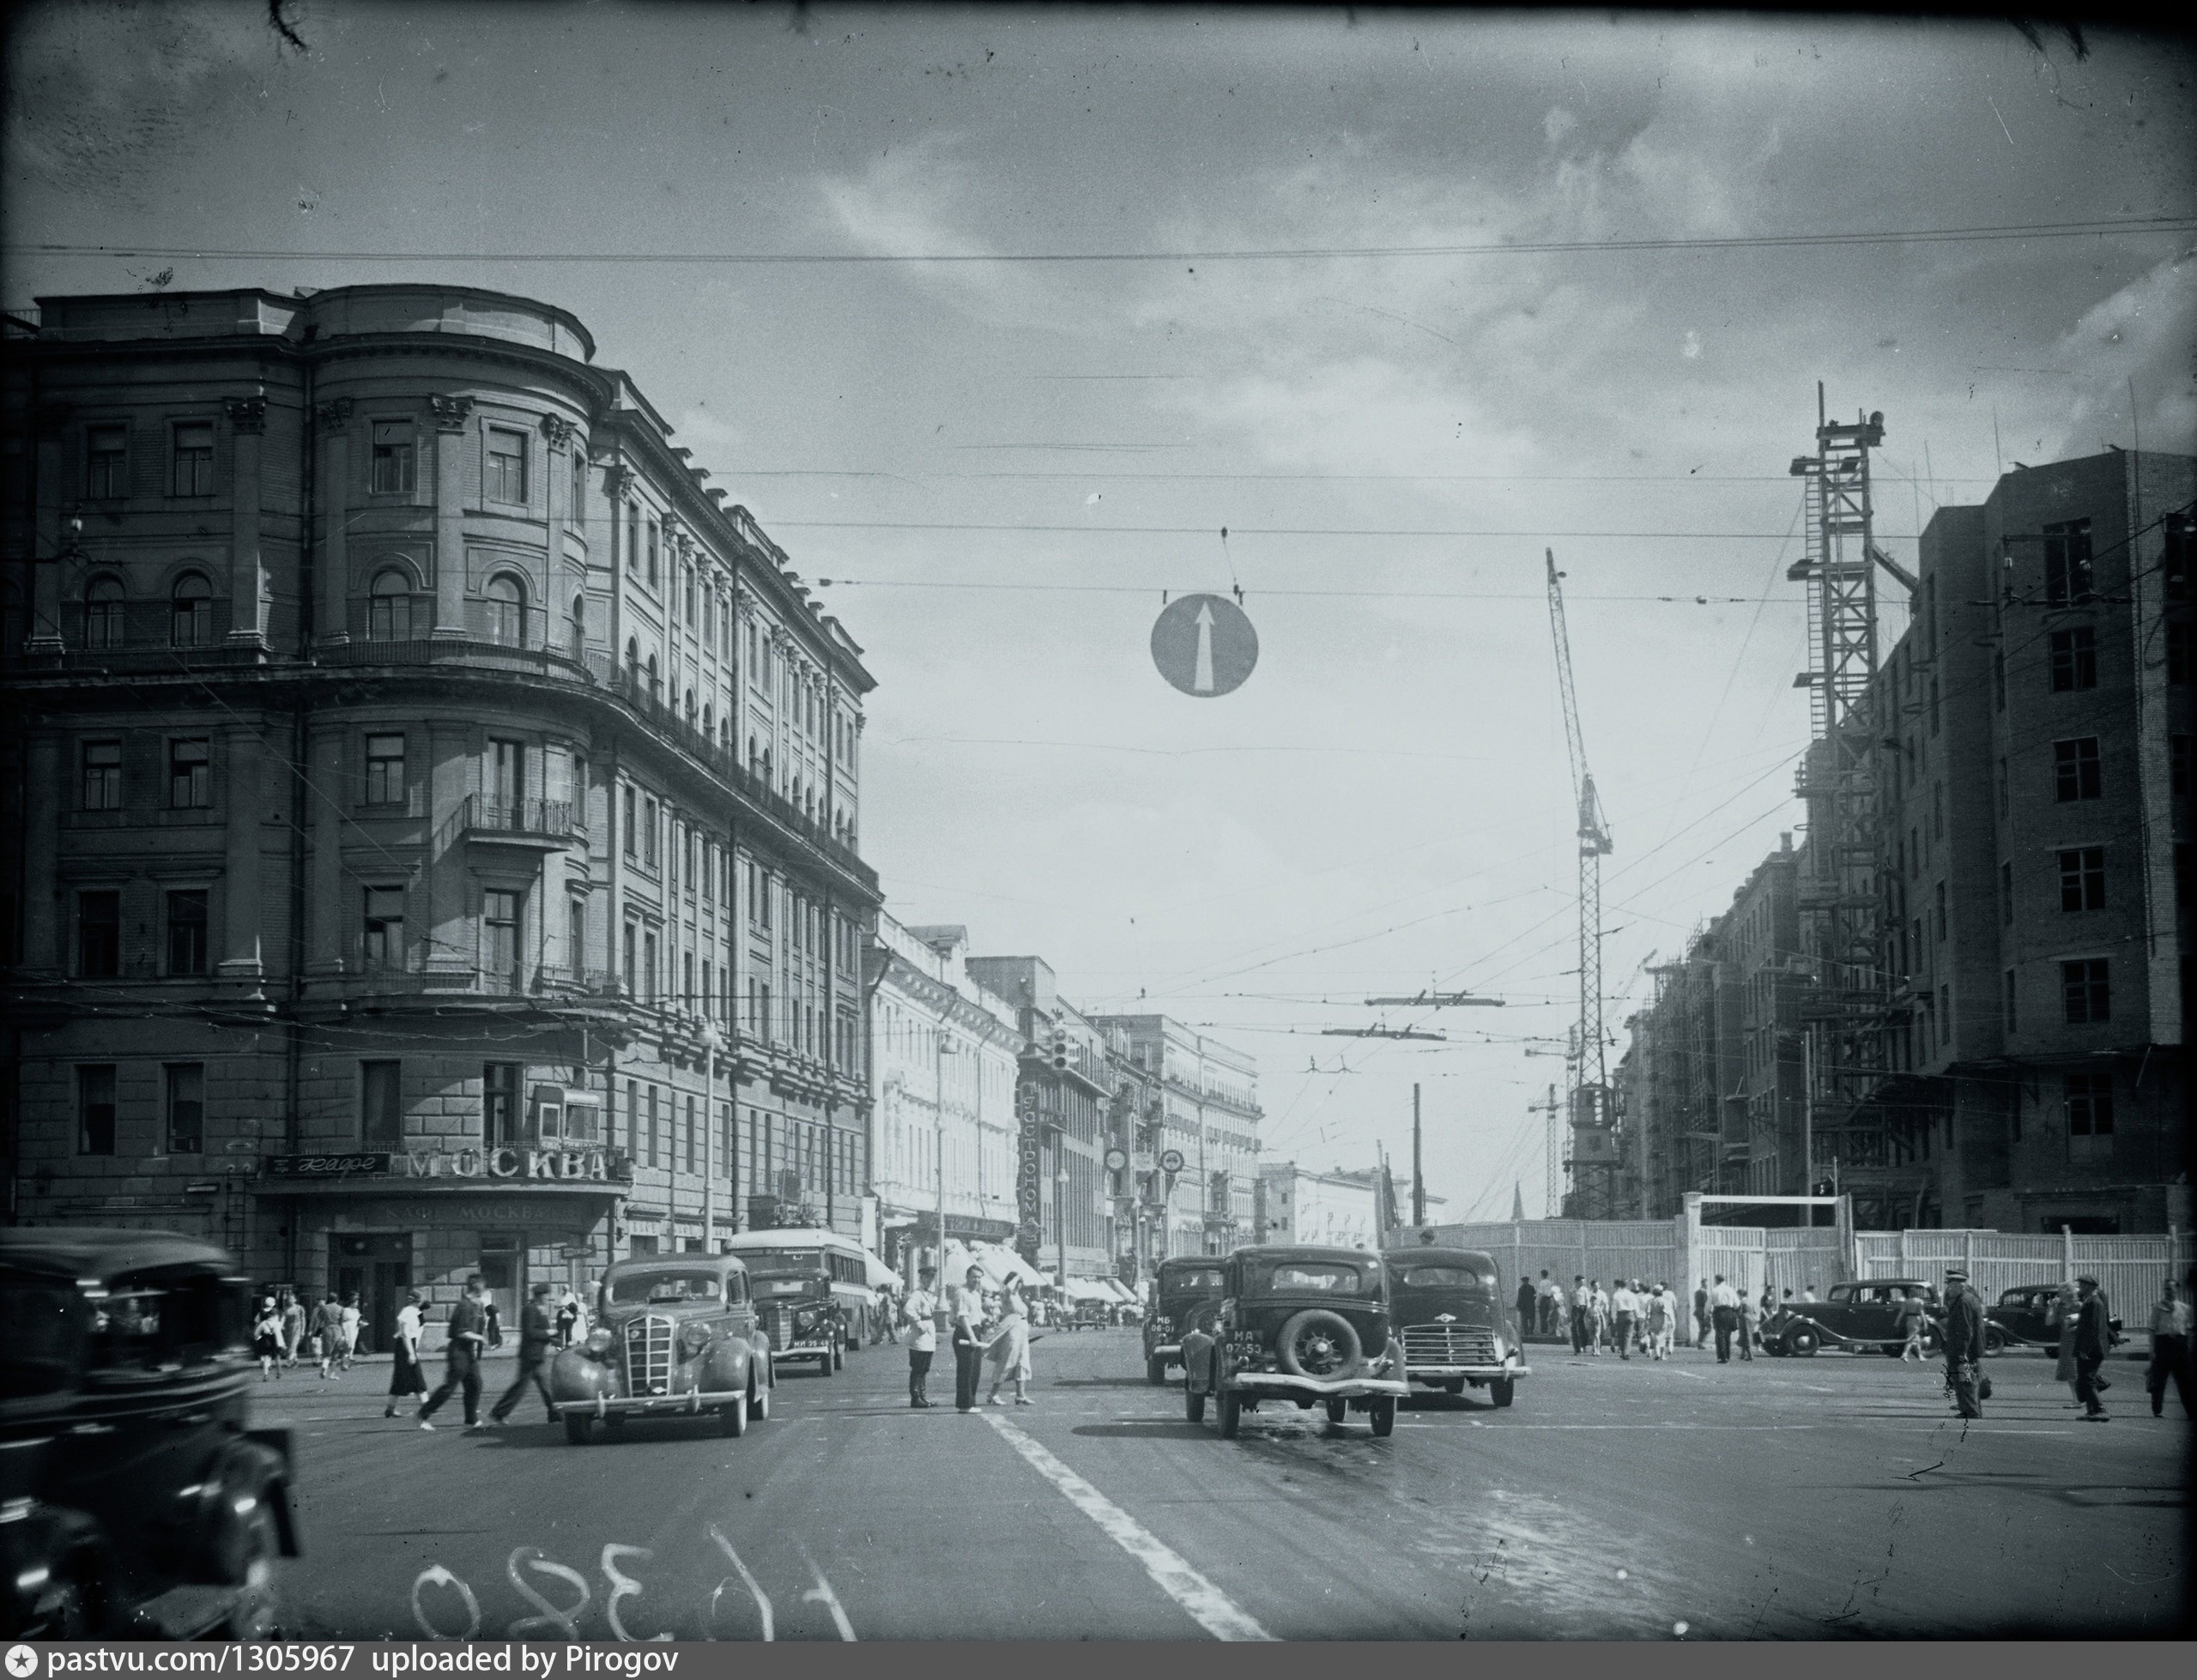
(545, 823)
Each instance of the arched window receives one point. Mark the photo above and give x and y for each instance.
(655, 682)
(190, 622)
(634, 659)
(693, 710)
(579, 628)
(389, 607)
(506, 611)
(710, 725)
(103, 615)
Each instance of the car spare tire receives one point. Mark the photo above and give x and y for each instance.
(1322, 1344)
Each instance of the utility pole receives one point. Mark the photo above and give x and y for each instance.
(1418, 1166)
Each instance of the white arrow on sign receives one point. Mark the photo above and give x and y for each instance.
(1203, 681)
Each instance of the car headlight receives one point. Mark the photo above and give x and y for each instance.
(693, 1338)
(597, 1343)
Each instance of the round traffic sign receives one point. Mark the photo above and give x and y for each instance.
(1170, 1160)
(1204, 645)
(1117, 1159)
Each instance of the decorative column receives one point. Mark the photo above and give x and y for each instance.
(452, 416)
(556, 492)
(247, 575)
(331, 586)
(241, 911)
(52, 535)
(43, 791)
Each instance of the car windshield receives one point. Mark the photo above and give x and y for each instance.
(653, 1287)
(1203, 1280)
(767, 1285)
(1445, 1277)
(782, 1263)
(1304, 1277)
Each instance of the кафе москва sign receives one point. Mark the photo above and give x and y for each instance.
(506, 1165)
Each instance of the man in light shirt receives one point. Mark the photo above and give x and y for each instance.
(966, 1309)
(1582, 1300)
(1625, 1305)
(1724, 1312)
(2169, 1350)
(918, 1311)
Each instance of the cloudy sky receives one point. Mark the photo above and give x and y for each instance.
(1005, 465)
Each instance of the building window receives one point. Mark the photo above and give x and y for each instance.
(2082, 878)
(2086, 991)
(2090, 1114)
(505, 610)
(651, 976)
(187, 932)
(507, 466)
(693, 1134)
(190, 775)
(103, 615)
(653, 1151)
(186, 1106)
(2068, 579)
(653, 554)
(102, 775)
(96, 1109)
(576, 935)
(499, 935)
(99, 934)
(385, 769)
(395, 466)
(686, 990)
(2074, 659)
(2076, 772)
(655, 683)
(383, 927)
(389, 607)
(579, 483)
(650, 848)
(499, 1128)
(381, 1103)
(630, 962)
(2011, 1012)
(191, 616)
(107, 452)
(194, 459)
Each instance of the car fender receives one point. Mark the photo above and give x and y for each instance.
(45, 1541)
(242, 1476)
(726, 1368)
(1198, 1356)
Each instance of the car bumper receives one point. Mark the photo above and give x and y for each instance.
(1342, 1388)
(1478, 1373)
(810, 1349)
(687, 1400)
(1165, 1351)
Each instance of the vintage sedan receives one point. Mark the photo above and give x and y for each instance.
(1452, 1322)
(1308, 1326)
(1186, 1286)
(2023, 1319)
(136, 1501)
(1862, 1315)
(674, 1336)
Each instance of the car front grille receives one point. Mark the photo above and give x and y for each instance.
(1449, 1344)
(648, 1355)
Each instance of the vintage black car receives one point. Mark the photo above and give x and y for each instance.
(1186, 1286)
(136, 1501)
(1452, 1322)
(2022, 1319)
(1862, 1316)
(675, 1335)
(1305, 1326)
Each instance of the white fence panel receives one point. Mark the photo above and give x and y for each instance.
(2129, 1269)
(1566, 1248)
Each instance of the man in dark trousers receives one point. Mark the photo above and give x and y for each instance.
(537, 1333)
(1963, 1344)
(1525, 1304)
(1724, 1313)
(1580, 1299)
(1701, 1314)
(967, 1311)
(468, 1338)
(2093, 1337)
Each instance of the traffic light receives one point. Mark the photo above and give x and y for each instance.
(1060, 1049)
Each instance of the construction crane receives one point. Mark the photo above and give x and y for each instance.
(1591, 1142)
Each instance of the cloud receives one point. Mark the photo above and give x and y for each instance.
(2141, 336)
(1559, 123)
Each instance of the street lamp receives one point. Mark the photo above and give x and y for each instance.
(712, 1042)
(938, 1118)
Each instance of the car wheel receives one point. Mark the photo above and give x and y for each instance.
(1155, 1370)
(614, 1426)
(1232, 1413)
(1891, 1350)
(733, 1419)
(838, 1356)
(1502, 1390)
(1193, 1404)
(760, 1403)
(251, 1610)
(578, 1428)
(1385, 1414)
(1994, 1341)
(1337, 1410)
(1320, 1343)
(1801, 1342)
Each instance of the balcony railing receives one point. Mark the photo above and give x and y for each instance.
(542, 820)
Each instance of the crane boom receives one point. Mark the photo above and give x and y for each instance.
(1590, 1103)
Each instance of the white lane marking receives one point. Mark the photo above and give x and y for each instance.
(1208, 1606)
(821, 1593)
(755, 1589)
(1691, 1376)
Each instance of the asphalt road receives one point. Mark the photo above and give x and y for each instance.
(1799, 1499)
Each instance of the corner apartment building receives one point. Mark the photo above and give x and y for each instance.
(2034, 798)
(432, 809)
(1208, 1093)
(944, 1055)
(1333, 1209)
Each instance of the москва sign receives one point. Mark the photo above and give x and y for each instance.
(588, 1166)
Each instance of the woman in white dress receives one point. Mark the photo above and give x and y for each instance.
(1010, 1345)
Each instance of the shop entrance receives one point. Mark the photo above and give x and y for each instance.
(376, 1267)
(503, 1269)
